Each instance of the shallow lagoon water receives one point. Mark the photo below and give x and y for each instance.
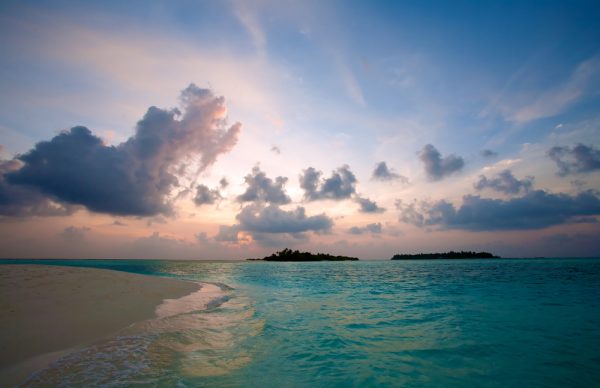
(507, 322)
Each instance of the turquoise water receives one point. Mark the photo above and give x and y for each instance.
(517, 322)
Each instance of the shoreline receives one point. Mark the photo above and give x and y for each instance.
(46, 311)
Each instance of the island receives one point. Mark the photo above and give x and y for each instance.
(446, 255)
(289, 255)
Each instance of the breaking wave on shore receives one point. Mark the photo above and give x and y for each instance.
(195, 336)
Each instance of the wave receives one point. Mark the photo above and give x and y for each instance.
(193, 337)
(207, 297)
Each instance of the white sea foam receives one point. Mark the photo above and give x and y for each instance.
(207, 297)
(190, 337)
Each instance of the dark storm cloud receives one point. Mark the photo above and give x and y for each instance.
(206, 196)
(340, 185)
(22, 201)
(579, 159)
(437, 167)
(505, 182)
(263, 189)
(369, 228)
(135, 177)
(383, 173)
(488, 153)
(368, 206)
(535, 210)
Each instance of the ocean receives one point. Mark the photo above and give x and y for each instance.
(435, 323)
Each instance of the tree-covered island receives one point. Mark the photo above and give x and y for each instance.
(289, 255)
(446, 255)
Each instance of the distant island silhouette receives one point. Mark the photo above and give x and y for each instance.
(446, 255)
(289, 255)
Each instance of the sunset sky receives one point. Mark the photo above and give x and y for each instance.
(230, 129)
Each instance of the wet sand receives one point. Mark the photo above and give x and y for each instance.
(45, 311)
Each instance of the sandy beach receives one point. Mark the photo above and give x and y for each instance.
(47, 310)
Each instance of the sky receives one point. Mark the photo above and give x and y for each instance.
(232, 129)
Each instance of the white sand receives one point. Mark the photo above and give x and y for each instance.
(47, 310)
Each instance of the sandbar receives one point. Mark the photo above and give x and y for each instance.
(47, 310)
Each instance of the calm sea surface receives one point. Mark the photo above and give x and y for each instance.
(509, 322)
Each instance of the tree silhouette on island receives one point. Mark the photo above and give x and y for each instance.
(446, 255)
(289, 255)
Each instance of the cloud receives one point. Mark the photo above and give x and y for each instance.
(206, 196)
(505, 182)
(584, 80)
(341, 184)
(223, 183)
(272, 226)
(535, 210)
(368, 206)
(157, 246)
(279, 240)
(351, 84)
(578, 184)
(264, 189)
(570, 245)
(202, 238)
(369, 228)
(579, 159)
(23, 201)
(156, 220)
(437, 167)
(227, 233)
(488, 153)
(249, 20)
(272, 219)
(118, 223)
(276, 150)
(74, 234)
(135, 177)
(383, 173)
